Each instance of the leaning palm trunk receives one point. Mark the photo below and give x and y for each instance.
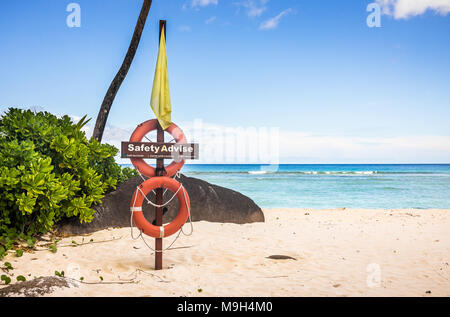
(117, 82)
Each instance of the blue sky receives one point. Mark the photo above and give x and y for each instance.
(314, 69)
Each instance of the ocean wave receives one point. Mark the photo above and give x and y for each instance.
(321, 173)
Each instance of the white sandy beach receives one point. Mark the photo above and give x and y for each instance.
(338, 252)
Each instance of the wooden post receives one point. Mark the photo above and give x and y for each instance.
(159, 192)
(159, 201)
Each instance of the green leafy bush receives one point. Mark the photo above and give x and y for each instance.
(49, 170)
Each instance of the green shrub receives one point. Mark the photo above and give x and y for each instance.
(49, 170)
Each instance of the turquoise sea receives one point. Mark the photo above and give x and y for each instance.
(334, 186)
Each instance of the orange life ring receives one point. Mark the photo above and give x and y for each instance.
(139, 134)
(138, 198)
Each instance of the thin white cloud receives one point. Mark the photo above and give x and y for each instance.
(210, 20)
(203, 3)
(254, 8)
(273, 22)
(403, 9)
(221, 144)
(309, 148)
(184, 28)
(272, 145)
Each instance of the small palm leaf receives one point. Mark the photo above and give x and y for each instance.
(82, 122)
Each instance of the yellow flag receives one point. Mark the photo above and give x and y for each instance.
(160, 101)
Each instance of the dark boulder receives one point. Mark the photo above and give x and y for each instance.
(208, 202)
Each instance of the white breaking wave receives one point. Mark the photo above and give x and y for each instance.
(318, 172)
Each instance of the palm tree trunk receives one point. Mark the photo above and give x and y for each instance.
(117, 81)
